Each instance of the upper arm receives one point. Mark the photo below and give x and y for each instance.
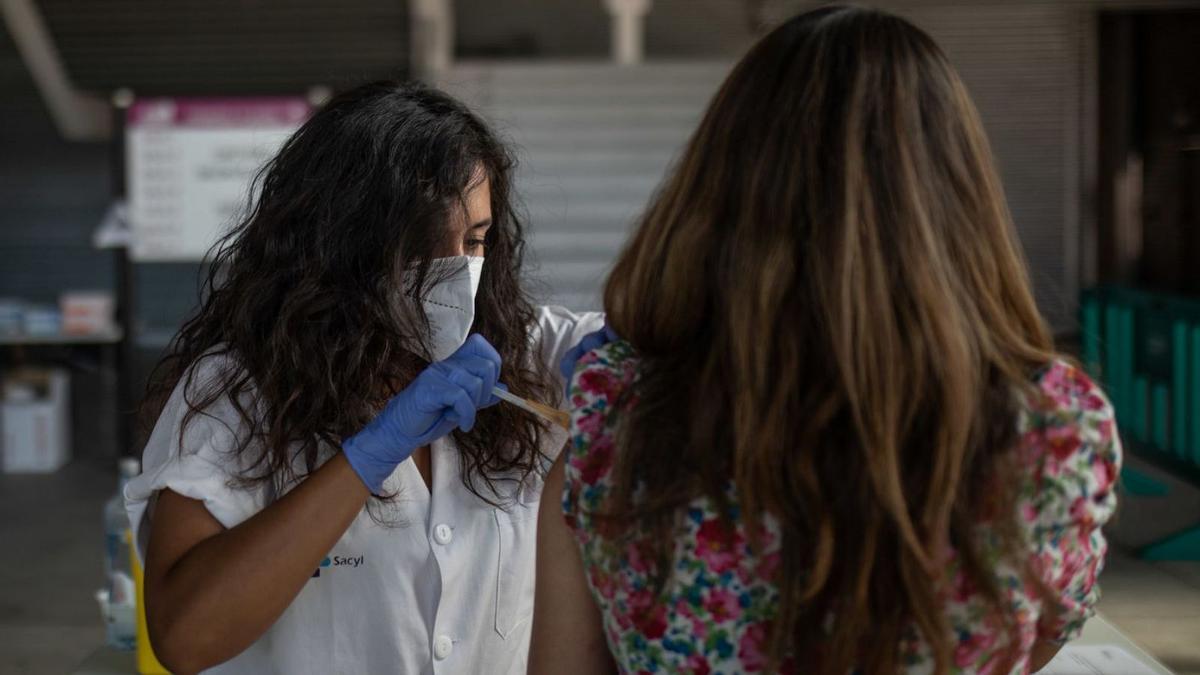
(568, 634)
(1071, 499)
(179, 525)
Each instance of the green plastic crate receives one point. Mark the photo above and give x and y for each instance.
(1144, 348)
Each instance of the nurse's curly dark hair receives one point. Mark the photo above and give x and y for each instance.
(302, 294)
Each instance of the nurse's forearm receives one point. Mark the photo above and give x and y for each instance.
(211, 592)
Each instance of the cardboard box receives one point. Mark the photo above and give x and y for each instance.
(35, 421)
(87, 312)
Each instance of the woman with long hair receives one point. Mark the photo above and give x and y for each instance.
(331, 485)
(835, 435)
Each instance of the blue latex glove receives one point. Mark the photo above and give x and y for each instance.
(593, 340)
(443, 397)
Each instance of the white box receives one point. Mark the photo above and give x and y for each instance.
(35, 421)
(86, 312)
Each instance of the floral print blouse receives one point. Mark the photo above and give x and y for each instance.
(720, 599)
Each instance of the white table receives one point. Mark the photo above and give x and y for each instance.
(1099, 632)
(111, 335)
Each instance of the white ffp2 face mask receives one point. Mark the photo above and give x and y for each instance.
(450, 302)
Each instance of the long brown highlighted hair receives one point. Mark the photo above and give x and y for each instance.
(833, 311)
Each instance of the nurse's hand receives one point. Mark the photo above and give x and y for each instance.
(445, 396)
(593, 340)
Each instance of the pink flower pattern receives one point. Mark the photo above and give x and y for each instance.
(720, 598)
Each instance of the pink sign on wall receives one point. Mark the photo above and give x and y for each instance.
(260, 111)
(191, 164)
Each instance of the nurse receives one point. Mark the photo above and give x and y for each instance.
(331, 486)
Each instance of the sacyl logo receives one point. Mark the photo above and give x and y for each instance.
(339, 561)
(317, 572)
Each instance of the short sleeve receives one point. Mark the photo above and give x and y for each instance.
(1069, 439)
(558, 330)
(596, 397)
(202, 465)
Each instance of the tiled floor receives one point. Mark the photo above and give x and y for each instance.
(51, 530)
(52, 534)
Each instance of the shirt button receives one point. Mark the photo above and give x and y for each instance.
(442, 534)
(442, 646)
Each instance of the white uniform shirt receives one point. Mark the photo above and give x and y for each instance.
(445, 587)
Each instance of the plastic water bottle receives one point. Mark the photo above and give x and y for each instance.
(118, 600)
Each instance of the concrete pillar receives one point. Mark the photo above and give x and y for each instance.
(432, 35)
(628, 30)
(78, 116)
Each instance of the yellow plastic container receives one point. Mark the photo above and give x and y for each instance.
(147, 663)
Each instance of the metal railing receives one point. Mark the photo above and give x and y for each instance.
(1145, 348)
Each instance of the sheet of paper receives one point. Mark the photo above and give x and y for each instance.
(1095, 660)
